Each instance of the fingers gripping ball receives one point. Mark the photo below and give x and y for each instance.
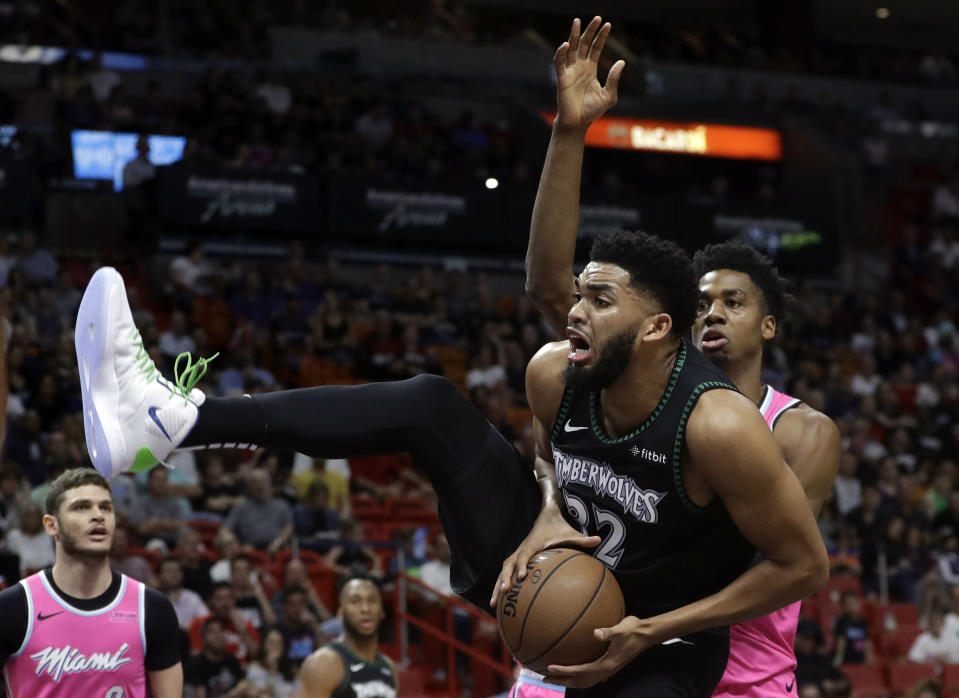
(549, 617)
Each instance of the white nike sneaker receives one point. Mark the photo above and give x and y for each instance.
(132, 415)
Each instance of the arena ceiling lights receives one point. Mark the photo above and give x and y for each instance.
(685, 138)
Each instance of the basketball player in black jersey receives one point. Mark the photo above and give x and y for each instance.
(741, 299)
(350, 666)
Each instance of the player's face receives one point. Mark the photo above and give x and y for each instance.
(604, 325)
(85, 524)
(731, 323)
(361, 609)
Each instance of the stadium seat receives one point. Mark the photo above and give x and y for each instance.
(367, 508)
(837, 585)
(411, 683)
(903, 614)
(894, 644)
(867, 679)
(950, 679)
(905, 676)
(401, 506)
(310, 558)
(206, 528)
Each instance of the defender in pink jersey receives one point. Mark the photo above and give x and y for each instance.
(742, 298)
(79, 629)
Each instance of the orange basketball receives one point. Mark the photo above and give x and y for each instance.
(549, 617)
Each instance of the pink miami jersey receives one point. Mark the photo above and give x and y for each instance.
(761, 656)
(69, 653)
(531, 685)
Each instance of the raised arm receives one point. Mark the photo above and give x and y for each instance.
(580, 100)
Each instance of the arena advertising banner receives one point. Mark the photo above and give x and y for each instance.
(269, 201)
(683, 138)
(457, 214)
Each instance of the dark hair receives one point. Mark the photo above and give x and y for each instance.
(70, 480)
(740, 257)
(241, 556)
(213, 619)
(167, 560)
(657, 267)
(291, 590)
(347, 578)
(220, 585)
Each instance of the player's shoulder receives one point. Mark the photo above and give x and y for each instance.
(323, 667)
(805, 426)
(544, 379)
(11, 598)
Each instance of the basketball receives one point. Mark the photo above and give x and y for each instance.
(549, 617)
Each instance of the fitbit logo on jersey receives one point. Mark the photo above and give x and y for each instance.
(636, 502)
(68, 660)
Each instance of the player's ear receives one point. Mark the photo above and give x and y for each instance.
(657, 327)
(50, 525)
(768, 328)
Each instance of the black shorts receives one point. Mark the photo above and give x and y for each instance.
(691, 668)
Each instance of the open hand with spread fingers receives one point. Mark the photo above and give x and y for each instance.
(580, 97)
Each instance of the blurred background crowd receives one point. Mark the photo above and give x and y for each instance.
(335, 296)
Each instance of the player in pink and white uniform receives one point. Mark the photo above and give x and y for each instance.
(742, 297)
(78, 628)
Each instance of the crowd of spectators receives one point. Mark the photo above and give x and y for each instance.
(885, 366)
(182, 28)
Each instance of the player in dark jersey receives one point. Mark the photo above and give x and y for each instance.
(742, 298)
(78, 629)
(350, 666)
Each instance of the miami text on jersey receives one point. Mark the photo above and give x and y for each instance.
(68, 660)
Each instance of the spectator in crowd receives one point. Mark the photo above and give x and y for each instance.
(486, 371)
(187, 603)
(227, 547)
(296, 574)
(36, 263)
(935, 644)
(351, 555)
(335, 473)
(176, 340)
(12, 495)
(196, 567)
(315, 522)
(30, 542)
(814, 668)
(848, 486)
(189, 274)
(272, 673)
(852, 642)
(220, 492)
(300, 628)
(125, 562)
(162, 515)
(214, 672)
(140, 170)
(241, 639)
(262, 520)
(251, 601)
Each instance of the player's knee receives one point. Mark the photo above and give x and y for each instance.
(435, 391)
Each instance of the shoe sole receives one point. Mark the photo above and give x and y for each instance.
(98, 382)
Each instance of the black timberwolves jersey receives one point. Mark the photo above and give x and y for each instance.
(362, 679)
(664, 549)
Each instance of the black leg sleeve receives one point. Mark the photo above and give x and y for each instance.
(479, 478)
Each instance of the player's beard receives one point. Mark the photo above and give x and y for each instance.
(611, 364)
(71, 546)
(357, 632)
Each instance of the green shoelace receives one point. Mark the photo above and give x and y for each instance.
(187, 379)
(184, 380)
